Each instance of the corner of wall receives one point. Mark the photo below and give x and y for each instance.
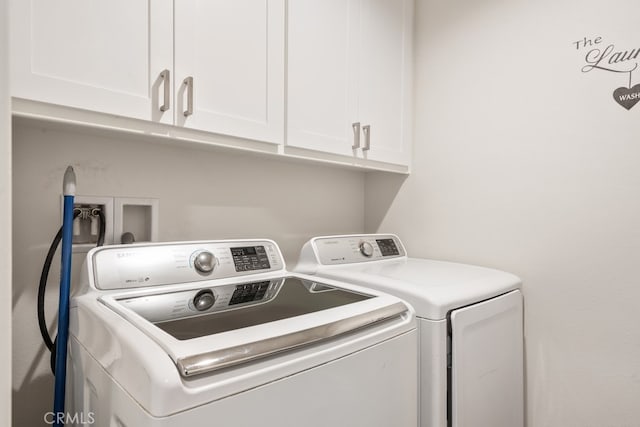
(5, 223)
(380, 190)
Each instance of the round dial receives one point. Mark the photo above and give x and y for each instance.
(204, 300)
(204, 262)
(366, 249)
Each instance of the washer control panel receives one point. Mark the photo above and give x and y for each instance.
(350, 249)
(156, 264)
(193, 302)
(249, 258)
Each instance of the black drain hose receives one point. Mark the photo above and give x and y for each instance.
(42, 287)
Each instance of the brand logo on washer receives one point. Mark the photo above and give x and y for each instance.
(138, 280)
(125, 254)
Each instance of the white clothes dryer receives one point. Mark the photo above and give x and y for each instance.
(470, 322)
(219, 333)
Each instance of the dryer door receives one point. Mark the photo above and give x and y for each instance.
(487, 364)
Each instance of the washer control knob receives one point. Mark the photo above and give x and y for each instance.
(204, 300)
(204, 262)
(366, 249)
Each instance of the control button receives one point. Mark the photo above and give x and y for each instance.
(366, 249)
(204, 262)
(204, 300)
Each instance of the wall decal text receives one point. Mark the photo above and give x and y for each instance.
(607, 57)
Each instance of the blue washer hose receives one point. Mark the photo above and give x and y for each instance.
(69, 191)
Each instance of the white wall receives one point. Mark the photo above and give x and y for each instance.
(5, 224)
(203, 194)
(524, 163)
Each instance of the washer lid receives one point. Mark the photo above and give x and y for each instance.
(292, 312)
(433, 288)
(243, 305)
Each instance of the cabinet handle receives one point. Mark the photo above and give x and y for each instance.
(189, 82)
(367, 137)
(356, 135)
(165, 75)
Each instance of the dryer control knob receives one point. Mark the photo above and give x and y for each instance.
(204, 262)
(366, 249)
(204, 300)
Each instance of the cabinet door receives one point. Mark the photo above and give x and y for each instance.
(384, 83)
(104, 56)
(234, 53)
(322, 70)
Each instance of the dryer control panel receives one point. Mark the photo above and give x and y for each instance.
(155, 264)
(333, 250)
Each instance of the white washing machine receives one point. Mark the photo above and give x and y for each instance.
(220, 334)
(470, 323)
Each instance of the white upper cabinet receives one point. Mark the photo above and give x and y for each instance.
(103, 56)
(321, 77)
(229, 67)
(328, 80)
(349, 78)
(385, 76)
(226, 74)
